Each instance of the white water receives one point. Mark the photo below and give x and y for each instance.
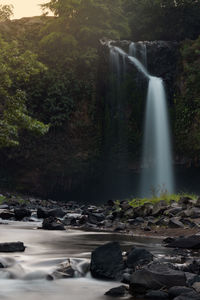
(157, 171)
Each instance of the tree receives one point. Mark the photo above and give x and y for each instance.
(163, 19)
(16, 71)
(89, 20)
(6, 11)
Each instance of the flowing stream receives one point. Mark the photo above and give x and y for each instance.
(46, 250)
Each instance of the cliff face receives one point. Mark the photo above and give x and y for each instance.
(101, 137)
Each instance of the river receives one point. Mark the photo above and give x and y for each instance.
(46, 250)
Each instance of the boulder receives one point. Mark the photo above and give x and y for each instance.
(12, 247)
(107, 261)
(52, 223)
(176, 291)
(6, 214)
(189, 242)
(157, 295)
(155, 277)
(175, 223)
(137, 257)
(43, 213)
(65, 270)
(189, 296)
(96, 218)
(21, 213)
(120, 291)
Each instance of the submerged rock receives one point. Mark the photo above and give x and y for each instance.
(107, 262)
(119, 291)
(52, 223)
(12, 247)
(21, 213)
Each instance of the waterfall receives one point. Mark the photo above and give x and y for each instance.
(157, 170)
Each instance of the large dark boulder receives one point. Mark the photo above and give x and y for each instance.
(12, 247)
(52, 223)
(43, 213)
(107, 261)
(155, 277)
(21, 213)
(138, 256)
(189, 242)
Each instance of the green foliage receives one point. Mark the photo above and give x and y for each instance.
(89, 20)
(163, 19)
(136, 202)
(16, 72)
(6, 11)
(187, 125)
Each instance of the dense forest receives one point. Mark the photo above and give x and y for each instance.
(54, 119)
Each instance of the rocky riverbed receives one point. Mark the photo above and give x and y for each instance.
(127, 264)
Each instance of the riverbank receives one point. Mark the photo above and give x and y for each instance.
(73, 246)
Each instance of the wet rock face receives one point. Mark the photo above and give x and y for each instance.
(162, 58)
(107, 262)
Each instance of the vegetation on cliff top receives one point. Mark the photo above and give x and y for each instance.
(49, 76)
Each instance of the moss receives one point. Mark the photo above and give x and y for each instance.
(136, 202)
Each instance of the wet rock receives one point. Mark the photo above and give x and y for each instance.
(96, 218)
(52, 223)
(176, 291)
(119, 227)
(43, 213)
(120, 291)
(191, 212)
(173, 211)
(126, 278)
(189, 242)
(168, 240)
(155, 277)
(185, 200)
(21, 213)
(175, 223)
(4, 206)
(138, 257)
(107, 262)
(191, 278)
(65, 270)
(196, 287)
(6, 214)
(157, 295)
(111, 203)
(189, 296)
(12, 247)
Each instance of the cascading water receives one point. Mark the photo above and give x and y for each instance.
(157, 171)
